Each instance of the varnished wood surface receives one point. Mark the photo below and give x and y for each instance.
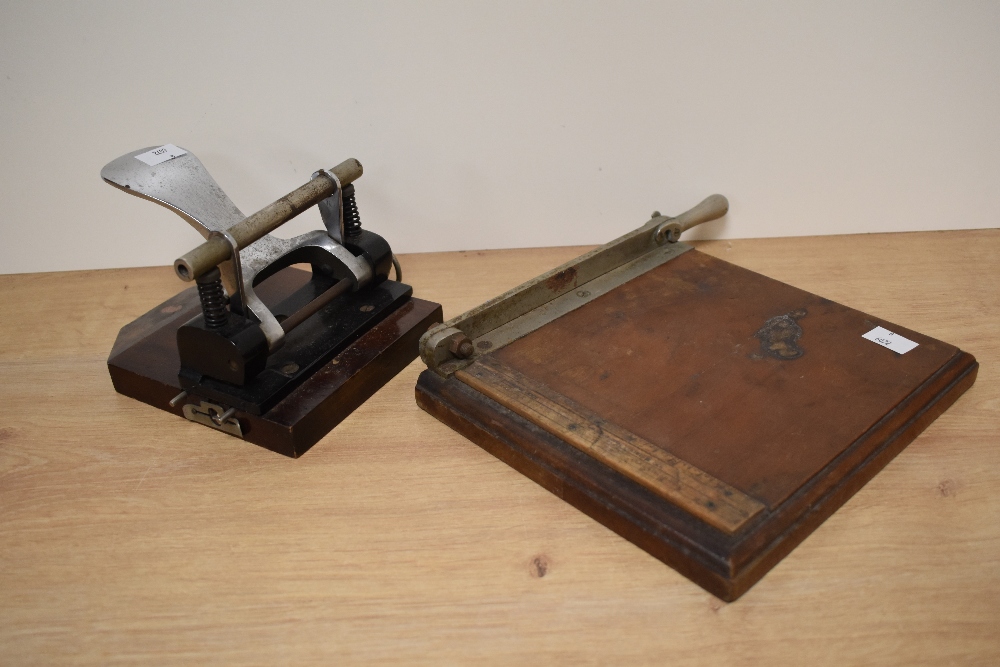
(672, 356)
(678, 481)
(129, 536)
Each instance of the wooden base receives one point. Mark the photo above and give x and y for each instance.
(144, 365)
(675, 411)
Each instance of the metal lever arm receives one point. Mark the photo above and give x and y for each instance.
(711, 208)
(452, 345)
(216, 250)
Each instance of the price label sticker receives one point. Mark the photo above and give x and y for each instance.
(893, 341)
(161, 154)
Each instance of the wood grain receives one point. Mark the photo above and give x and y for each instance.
(682, 356)
(132, 537)
(672, 479)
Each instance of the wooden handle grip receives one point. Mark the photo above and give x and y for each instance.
(216, 250)
(711, 208)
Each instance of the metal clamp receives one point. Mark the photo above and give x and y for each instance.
(214, 416)
(331, 209)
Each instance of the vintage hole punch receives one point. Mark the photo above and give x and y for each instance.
(260, 350)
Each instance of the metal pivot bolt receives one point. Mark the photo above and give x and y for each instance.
(352, 220)
(461, 347)
(213, 299)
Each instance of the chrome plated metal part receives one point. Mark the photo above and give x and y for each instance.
(214, 416)
(183, 185)
(331, 209)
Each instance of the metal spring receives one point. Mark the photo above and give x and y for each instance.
(213, 299)
(352, 220)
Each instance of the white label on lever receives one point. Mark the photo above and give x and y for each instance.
(161, 154)
(893, 341)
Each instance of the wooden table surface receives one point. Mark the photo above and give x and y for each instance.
(128, 535)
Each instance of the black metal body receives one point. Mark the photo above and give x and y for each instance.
(307, 347)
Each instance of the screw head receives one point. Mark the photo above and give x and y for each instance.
(289, 368)
(367, 309)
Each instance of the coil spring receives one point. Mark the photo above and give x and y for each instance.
(352, 220)
(213, 299)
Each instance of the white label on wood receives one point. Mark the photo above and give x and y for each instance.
(893, 341)
(161, 154)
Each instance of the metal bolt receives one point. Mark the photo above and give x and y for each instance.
(583, 293)
(461, 347)
(289, 368)
(367, 309)
(484, 345)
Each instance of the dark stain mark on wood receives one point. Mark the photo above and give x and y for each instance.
(780, 335)
(562, 280)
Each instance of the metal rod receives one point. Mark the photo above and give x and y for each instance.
(221, 419)
(300, 316)
(216, 250)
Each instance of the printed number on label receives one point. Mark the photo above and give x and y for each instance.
(161, 154)
(890, 340)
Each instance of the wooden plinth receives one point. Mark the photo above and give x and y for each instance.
(144, 364)
(710, 415)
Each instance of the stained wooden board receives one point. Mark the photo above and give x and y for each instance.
(719, 390)
(673, 479)
(132, 537)
(758, 383)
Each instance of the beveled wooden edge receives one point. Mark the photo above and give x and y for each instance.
(662, 529)
(816, 501)
(335, 391)
(673, 479)
(314, 408)
(726, 568)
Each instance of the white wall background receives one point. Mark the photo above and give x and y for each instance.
(500, 124)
